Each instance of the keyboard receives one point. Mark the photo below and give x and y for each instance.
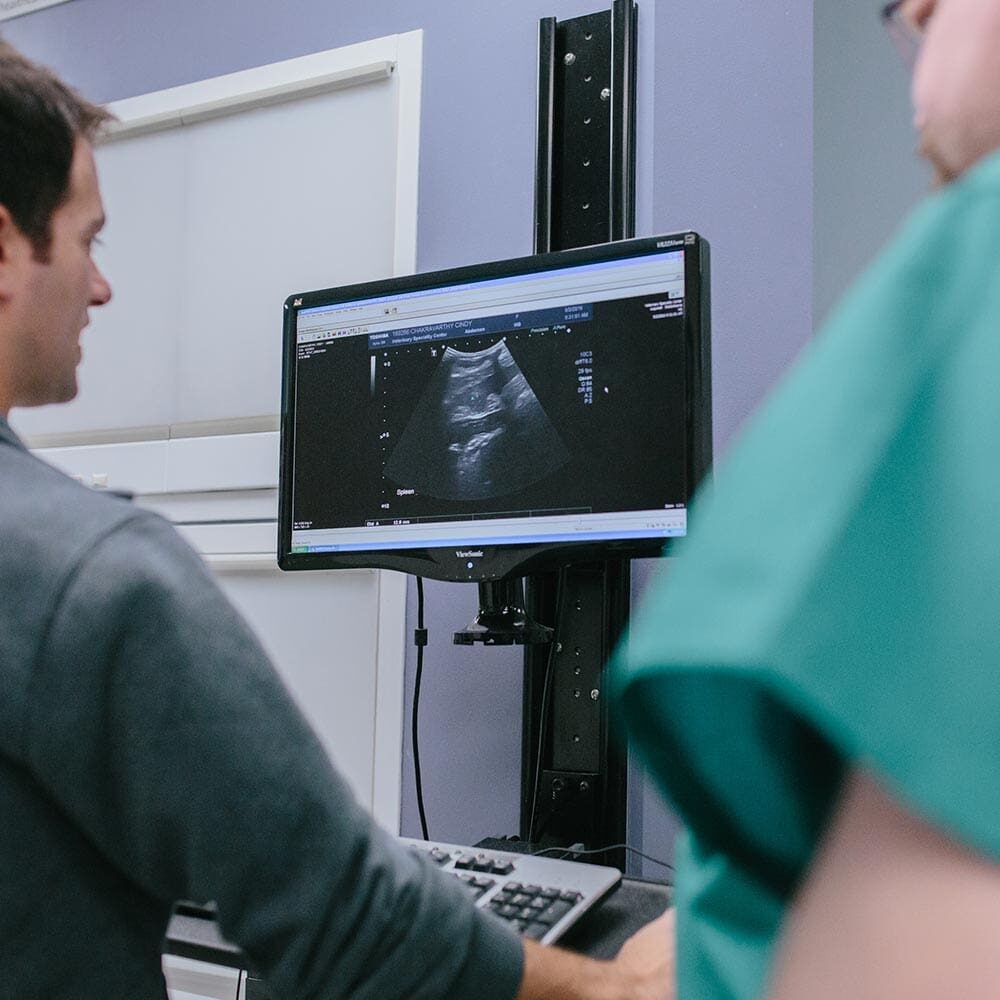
(541, 897)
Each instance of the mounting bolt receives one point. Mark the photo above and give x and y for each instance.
(584, 787)
(606, 94)
(569, 58)
(558, 647)
(595, 694)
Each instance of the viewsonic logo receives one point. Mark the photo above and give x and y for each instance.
(469, 553)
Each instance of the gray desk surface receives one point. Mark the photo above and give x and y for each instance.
(599, 933)
(605, 929)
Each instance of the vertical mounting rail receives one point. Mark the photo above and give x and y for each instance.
(585, 162)
(573, 781)
(546, 118)
(623, 88)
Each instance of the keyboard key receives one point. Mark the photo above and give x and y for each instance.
(535, 931)
(539, 903)
(481, 863)
(502, 868)
(522, 899)
(569, 897)
(532, 890)
(439, 857)
(555, 911)
(465, 861)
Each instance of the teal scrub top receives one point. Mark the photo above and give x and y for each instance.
(837, 602)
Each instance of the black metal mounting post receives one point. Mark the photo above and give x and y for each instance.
(573, 786)
(585, 164)
(575, 792)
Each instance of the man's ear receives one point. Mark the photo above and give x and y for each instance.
(13, 246)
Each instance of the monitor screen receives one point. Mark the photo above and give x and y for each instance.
(484, 421)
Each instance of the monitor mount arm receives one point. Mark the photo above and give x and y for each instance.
(502, 620)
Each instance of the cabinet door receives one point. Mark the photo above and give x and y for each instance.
(255, 236)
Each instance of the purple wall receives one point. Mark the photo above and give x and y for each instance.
(725, 147)
(477, 151)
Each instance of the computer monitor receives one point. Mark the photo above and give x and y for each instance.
(501, 419)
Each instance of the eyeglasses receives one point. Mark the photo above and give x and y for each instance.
(906, 36)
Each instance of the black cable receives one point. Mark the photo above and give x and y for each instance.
(600, 850)
(546, 689)
(419, 640)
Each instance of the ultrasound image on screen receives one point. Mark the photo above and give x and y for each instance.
(570, 418)
(478, 431)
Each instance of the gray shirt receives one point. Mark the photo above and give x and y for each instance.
(149, 753)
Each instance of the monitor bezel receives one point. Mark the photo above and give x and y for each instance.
(516, 559)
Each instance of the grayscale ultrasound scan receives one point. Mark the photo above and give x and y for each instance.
(478, 431)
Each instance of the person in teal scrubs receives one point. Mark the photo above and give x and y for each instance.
(816, 681)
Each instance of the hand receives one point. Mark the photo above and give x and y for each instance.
(642, 970)
(647, 959)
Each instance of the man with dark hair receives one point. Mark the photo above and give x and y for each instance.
(148, 752)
